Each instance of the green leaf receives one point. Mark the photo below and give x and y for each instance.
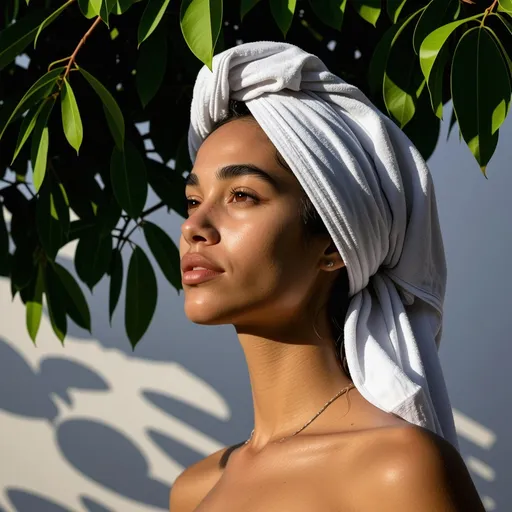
(369, 10)
(22, 266)
(108, 214)
(40, 143)
(151, 65)
(16, 37)
(506, 5)
(201, 22)
(56, 301)
(111, 108)
(122, 6)
(90, 8)
(282, 12)
(379, 59)
(51, 19)
(34, 306)
(481, 89)
(453, 120)
(424, 127)
(246, 6)
(329, 12)
(129, 181)
(107, 6)
(41, 89)
(165, 252)
(76, 305)
(394, 8)
(500, 44)
(60, 205)
(49, 228)
(116, 280)
(141, 294)
(403, 82)
(168, 185)
(4, 241)
(151, 17)
(432, 44)
(92, 258)
(71, 121)
(27, 125)
(436, 14)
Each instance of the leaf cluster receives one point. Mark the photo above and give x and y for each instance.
(78, 77)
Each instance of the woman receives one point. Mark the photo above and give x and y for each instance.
(313, 229)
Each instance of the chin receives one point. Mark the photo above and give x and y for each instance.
(205, 314)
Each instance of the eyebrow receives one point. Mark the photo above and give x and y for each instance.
(234, 171)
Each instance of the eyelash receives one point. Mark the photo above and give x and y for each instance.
(232, 191)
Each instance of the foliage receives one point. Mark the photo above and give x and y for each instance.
(73, 164)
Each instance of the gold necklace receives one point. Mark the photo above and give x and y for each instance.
(348, 388)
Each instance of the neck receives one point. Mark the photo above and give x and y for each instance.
(292, 376)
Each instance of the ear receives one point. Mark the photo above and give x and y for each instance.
(331, 254)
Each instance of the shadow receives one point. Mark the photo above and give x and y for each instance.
(108, 457)
(191, 415)
(31, 398)
(24, 501)
(93, 506)
(182, 454)
(60, 375)
(33, 388)
(174, 449)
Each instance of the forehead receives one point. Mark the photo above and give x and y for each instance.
(240, 137)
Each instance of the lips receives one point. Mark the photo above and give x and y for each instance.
(197, 261)
(198, 269)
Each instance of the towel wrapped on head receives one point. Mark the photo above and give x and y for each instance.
(375, 195)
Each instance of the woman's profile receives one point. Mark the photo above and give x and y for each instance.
(312, 228)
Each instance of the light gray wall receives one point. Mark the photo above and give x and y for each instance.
(95, 427)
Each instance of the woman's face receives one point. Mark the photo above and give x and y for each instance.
(251, 228)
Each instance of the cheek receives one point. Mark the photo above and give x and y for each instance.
(264, 254)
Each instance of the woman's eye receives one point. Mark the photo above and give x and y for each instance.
(189, 204)
(240, 196)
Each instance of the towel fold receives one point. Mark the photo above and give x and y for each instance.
(374, 192)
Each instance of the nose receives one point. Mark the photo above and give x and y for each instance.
(199, 228)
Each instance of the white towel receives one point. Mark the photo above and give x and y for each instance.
(374, 192)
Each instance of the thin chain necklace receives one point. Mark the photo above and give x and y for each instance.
(349, 387)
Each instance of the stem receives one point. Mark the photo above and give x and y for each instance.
(127, 237)
(152, 209)
(122, 239)
(57, 62)
(29, 189)
(121, 233)
(488, 11)
(97, 21)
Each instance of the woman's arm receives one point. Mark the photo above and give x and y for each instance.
(420, 472)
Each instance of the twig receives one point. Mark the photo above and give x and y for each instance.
(152, 209)
(80, 44)
(488, 11)
(123, 239)
(28, 188)
(121, 233)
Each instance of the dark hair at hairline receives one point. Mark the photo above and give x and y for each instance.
(313, 226)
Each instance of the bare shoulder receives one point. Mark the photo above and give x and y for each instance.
(411, 468)
(196, 481)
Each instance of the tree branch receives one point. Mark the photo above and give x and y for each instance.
(97, 21)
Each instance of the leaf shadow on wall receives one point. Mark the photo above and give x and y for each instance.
(25, 501)
(110, 458)
(34, 388)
